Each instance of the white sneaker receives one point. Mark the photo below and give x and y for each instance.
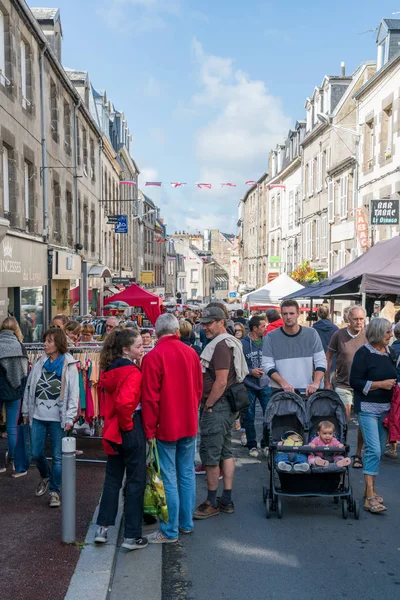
(101, 535)
(282, 466)
(301, 467)
(254, 453)
(243, 439)
(265, 452)
(54, 500)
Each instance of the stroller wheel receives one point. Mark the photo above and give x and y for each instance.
(345, 509)
(268, 508)
(265, 493)
(279, 508)
(356, 506)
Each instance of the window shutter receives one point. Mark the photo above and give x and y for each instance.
(2, 49)
(6, 181)
(317, 238)
(319, 182)
(331, 202)
(343, 196)
(23, 73)
(26, 190)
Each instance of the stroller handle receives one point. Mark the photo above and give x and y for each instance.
(309, 450)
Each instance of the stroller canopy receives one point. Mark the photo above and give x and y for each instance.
(285, 411)
(325, 405)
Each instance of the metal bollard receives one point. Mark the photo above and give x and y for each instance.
(68, 489)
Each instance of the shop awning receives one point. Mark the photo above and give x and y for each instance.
(99, 271)
(134, 295)
(74, 295)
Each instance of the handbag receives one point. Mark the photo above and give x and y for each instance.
(155, 501)
(236, 395)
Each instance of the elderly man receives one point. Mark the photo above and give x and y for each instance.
(111, 324)
(171, 392)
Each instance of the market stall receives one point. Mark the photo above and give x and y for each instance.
(134, 295)
(272, 293)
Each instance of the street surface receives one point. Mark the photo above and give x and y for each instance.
(311, 553)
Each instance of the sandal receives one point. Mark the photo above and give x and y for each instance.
(357, 462)
(373, 506)
(378, 497)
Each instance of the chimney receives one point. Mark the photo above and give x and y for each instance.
(343, 67)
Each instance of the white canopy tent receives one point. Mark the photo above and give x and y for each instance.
(272, 292)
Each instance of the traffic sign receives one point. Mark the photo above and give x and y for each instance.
(232, 294)
(122, 225)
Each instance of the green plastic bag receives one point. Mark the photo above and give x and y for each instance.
(155, 501)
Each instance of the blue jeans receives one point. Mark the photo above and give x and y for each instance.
(12, 415)
(291, 459)
(375, 438)
(177, 472)
(39, 432)
(249, 415)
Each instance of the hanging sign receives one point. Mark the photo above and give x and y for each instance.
(112, 219)
(384, 212)
(122, 224)
(362, 228)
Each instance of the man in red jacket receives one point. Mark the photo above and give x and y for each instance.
(274, 320)
(172, 387)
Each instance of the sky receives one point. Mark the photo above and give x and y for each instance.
(209, 88)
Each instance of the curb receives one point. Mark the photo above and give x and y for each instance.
(93, 573)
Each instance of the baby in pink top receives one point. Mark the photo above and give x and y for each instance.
(325, 437)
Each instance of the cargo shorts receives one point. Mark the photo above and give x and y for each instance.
(216, 433)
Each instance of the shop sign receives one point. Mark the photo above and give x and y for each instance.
(147, 276)
(122, 280)
(384, 212)
(112, 219)
(362, 228)
(274, 259)
(23, 263)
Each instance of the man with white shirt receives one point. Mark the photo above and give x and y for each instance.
(293, 355)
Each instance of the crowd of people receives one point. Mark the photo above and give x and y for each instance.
(182, 385)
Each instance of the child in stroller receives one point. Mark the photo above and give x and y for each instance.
(325, 437)
(288, 461)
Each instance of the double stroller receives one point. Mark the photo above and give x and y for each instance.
(288, 411)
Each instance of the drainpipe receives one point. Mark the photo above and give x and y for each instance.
(101, 258)
(48, 294)
(356, 202)
(77, 215)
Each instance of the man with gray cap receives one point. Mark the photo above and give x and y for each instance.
(223, 365)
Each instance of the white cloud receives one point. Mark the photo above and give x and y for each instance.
(138, 16)
(244, 122)
(147, 174)
(159, 135)
(152, 87)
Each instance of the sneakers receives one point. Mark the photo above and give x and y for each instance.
(200, 470)
(54, 501)
(135, 544)
(101, 535)
(158, 538)
(205, 511)
(243, 439)
(42, 487)
(254, 453)
(282, 466)
(265, 452)
(185, 531)
(301, 467)
(18, 475)
(3, 469)
(390, 453)
(226, 508)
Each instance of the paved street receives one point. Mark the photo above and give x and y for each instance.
(311, 553)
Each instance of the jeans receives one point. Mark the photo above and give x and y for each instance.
(39, 432)
(177, 473)
(131, 458)
(249, 415)
(295, 459)
(13, 408)
(375, 437)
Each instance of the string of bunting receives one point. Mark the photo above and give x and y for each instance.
(201, 185)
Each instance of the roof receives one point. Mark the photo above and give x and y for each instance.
(391, 23)
(46, 14)
(76, 75)
(149, 200)
(382, 71)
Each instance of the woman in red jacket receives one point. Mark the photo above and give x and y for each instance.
(123, 436)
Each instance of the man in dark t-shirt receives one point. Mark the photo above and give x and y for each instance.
(216, 417)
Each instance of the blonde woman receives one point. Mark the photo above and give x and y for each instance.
(73, 332)
(13, 373)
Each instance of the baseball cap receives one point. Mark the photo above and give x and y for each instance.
(212, 314)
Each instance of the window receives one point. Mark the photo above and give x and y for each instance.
(387, 132)
(297, 209)
(291, 210)
(194, 275)
(317, 238)
(6, 181)
(278, 209)
(27, 174)
(369, 149)
(85, 152)
(310, 178)
(53, 111)
(331, 201)
(70, 222)
(341, 258)
(327, 159)
(272, 216)
(57, 210)
(319, 172)
(78, 144)
(324, 236)
(67, 128)
(2, 49)
(308, 241)
(92, 230)
(23, 73)
(309, 119)
(92, 161)
(85, 225)
(344, 180)
(193, 292)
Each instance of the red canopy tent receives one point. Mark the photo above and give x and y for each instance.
(134, 295)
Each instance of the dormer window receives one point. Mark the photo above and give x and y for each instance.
(309, 118)
(382, 54)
